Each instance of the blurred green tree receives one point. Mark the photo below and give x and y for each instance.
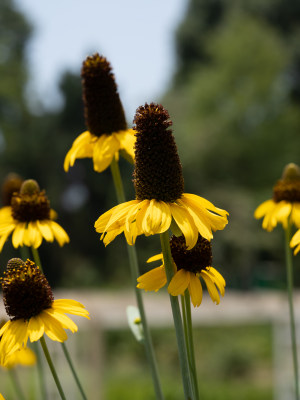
(236, 118)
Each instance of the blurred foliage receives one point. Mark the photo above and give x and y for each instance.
(235, 107)
(234, 362)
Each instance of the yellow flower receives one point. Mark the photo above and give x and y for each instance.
(101, 149)
(29, 302)
(285, 205)
(1, 397)
(160, 199)
(295, 242)
(107, 132)
(29, 219)
(189, 267)
(24, 356)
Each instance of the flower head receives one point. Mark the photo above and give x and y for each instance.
(189, 267)
(30, 219)
(107, 132)
(285, 204)
(29, 302)
(160, 199)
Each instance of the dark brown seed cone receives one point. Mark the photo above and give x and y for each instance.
(26, 291)
(30, 204)
(11, 185)
(103, 110)
(288, 188)
(194, 260)
(158, 171)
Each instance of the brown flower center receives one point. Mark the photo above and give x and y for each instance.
(195, 260)
(26, 291)
(158, 172)
(30, 204)
(103, 109)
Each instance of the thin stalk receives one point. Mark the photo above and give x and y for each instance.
(289, 271)
(133, 262)
(16, 384)
(181, 344)
(41, 372)
(52, 368)
(24, 251)
(190, 342)
(67, 355)
(36, 258)
(37, 261)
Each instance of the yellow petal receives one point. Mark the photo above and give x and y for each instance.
(53, 328)
(104, 150)
(153, 279)
(35, 328)
(218, 279)
(212, 290)
(264, 208)
(155, 258)
(33, 236)
(195, 289)
(127, 141)
(70, 307)
(66, 322)
(179, 282)
(185, 223)
(82, 147)
(295, 215)
(201, 202)
(59, 233)
(203, 229)
(44, 228)
(18, 234)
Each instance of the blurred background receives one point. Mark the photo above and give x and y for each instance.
(229, 75)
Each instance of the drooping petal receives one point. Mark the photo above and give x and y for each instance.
(296, 242)
(218, 279)
(45, 229)
(18, 234)
(35, 328)
(70, 307)
(264, 208)
(59, 233)
(185, 223)
(212, 290)
(155, 258)
(66, 322)
(203, 229)
(179, 282)
(104, 150)
(153, 279)
(33, 236)
(295, 215)
(82, 147)
(127, 140)
(53, 328)
(195, 290)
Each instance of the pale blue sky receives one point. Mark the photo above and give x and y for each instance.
(136, 36)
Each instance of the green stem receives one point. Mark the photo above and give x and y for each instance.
(52, 368)
(190, 343)
(24, 251)
(36, 258)
(289, 270)
(37, 261)
(67, 355)
(16, 384)
(181, 344)
(133, 262)
(41, 372)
